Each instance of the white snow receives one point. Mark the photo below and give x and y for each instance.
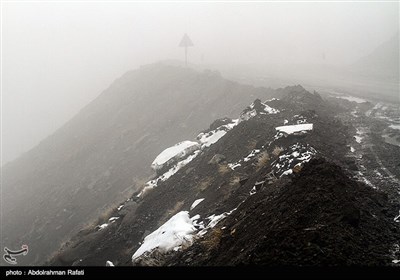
(103, 226)
(270, 110)
(196, 202)
(120, 207)
(253, 190)
(358, 138)
(153, 183)
(352, 149)
(397, 218)
(249, 114)
(177, 231)
(215, 219)
(295, 154)
(234, 165)
(287, 172)
(231, 125)
(177, 151)
(108, 263)
(290, 129)
(207, 139)
(252, 154)
(285, 122)
(113, 219)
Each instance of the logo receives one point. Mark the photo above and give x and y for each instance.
(10, 254)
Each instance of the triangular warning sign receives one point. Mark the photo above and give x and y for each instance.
(186, 42)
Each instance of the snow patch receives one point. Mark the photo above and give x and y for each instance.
(397, 218)
(178, 151)
(195, 203)
(206, 139)
(295, 129)
(287, 172)
(113, 219)
(177, 231)
(294, 157)
(120, 207)
(210, 138)
(234, 165)
(352, 149)
(101, 227)
(153, 183)
(252, 154)
(252, 111)
(214, 220)
(108, 263)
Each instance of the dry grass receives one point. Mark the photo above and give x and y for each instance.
(262, 160)
(234, 180)
(277, 151)
(212, 240)
(204, 184)
(223, 169)
(101, 219)
(297, 168)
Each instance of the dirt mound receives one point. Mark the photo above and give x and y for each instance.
(320, 217)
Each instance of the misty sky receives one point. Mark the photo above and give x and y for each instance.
(56, 57)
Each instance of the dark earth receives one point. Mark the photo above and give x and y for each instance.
(319, 218)
(321, 215)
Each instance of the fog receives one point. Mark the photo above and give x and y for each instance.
(57, 57)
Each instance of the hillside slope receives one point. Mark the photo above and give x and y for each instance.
(104, 153)
(252, 180)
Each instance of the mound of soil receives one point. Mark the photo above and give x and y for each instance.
(320, 217)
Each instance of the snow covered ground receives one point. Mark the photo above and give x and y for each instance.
(293, 129)
(153, 183)
(179, 150)
(294, 157)
(252, 111)
(196, 202)
(177, 231)
(208, 138)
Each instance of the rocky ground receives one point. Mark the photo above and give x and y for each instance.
(276, 208)
(320, 217)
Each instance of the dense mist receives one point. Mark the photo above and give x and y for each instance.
(57, 57)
